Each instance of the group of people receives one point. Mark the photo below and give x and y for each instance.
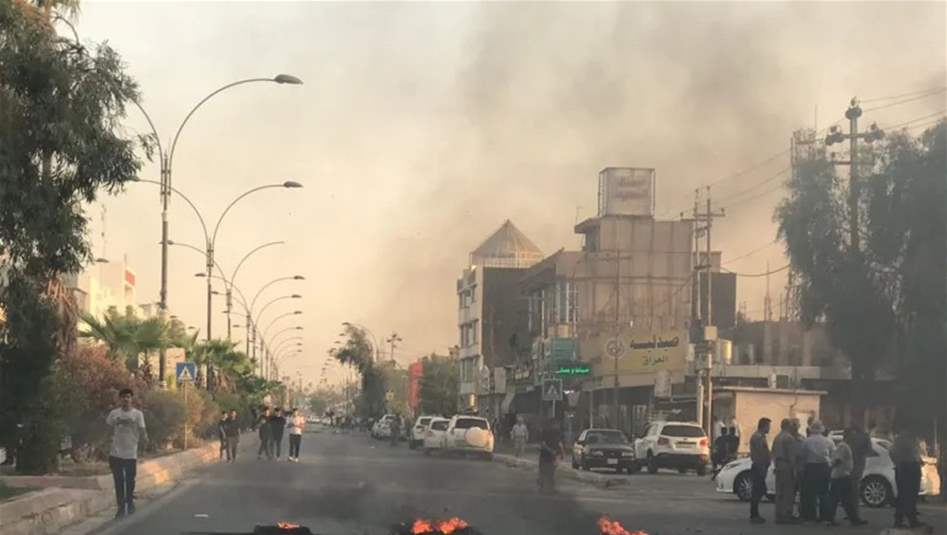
(271, 425)
(228, 432)
(826, 475)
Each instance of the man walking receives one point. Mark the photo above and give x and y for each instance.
(232, 433)
(263, 428)
(222, 435)
(277, 426)
(296, 424)
(550, 449)
(840, 488)
(128, 430)
(906, 456)
(817, 474)
(784, 461)
(760, 458)
(395, 427)
(519, 434)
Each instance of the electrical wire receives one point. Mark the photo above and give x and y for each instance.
(751, 253)
(928, 116)
(905, 101)
(755, 275)
(902, 95)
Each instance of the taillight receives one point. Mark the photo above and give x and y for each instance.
(703, 442)
(662, 441)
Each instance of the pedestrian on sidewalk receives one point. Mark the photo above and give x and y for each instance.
(840, 489)
(277, 427)
(222, 435)
(395, 428)
(906, 456)
(550, 449)
(263, 428)
(296, 424)
(128, 431)
(784, 464)
(760, 458)
(519, 435)
(817, 475)
(232, 432)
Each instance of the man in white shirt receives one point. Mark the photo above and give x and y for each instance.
(128, 430)
(814, 498)
(295, 424)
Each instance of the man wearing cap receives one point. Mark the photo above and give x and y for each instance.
(817, 451)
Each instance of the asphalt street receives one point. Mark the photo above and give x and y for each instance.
(350, 484)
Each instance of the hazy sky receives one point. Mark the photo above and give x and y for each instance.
(422, 127)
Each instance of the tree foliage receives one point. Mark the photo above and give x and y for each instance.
(440, 386)
(884, 303)
(359, 353)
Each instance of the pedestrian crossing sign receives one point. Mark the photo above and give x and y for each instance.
(552, 390)
(186, 371)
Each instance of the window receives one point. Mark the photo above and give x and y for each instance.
(607, 437)
(467, 423)
(473, 294)
(424, 421)
(473, 332)
(440, 425)
(687, 431)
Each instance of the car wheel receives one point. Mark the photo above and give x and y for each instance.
(652, 464)
(574, 464)
(702, 470)
(743, 486)
(875, 491)
(634, 468)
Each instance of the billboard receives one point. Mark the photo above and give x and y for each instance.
(626, 191)
(646, 352)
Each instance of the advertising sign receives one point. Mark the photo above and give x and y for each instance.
(626, 191)
(644, 352)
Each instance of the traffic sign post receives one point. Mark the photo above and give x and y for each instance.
(185, 373)
(552, 391)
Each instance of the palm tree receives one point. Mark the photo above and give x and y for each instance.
(227, 363)
(128, 337)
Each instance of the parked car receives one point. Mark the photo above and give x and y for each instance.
(680, 445)
(877, 485)
(603, 448)
(382, 428)
(417, 432)
(435, 434)
(469, 434)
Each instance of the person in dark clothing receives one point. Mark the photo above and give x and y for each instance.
(395, 428)
(861, 449)
(721, 451)
(222, 435)
(734, 443)
(550, 449)
(263, 428)
(906, 456)
(760, 457)
(277, 424)
(232, 433)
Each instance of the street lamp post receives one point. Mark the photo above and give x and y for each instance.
(166, 160)
(256, 321)
(252, 324)
(267, 347)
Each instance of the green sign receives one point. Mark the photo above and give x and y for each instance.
(580, 369)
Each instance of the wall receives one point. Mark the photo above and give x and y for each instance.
(751, 406)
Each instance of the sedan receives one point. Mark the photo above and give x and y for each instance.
(603, 448)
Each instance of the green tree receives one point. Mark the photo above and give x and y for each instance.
(359, 353)
(128, 337)
(60, 143)
(885, 298)
(440, 386)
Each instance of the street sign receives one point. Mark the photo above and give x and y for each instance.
(577, 369)
(389, 395)
(615, 348)
(552, 389)
(186, 372)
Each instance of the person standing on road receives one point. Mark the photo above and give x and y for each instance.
(519, 435)
(784, 463)
(277, 426)
(818, 450)
(906, 456)
(395, 428)
(232, 432)
(760, 458)
(222, 435)
(841, 486)
(263, 428)
(550, 449)
(128, 430)
(721, 451)
(296, 424)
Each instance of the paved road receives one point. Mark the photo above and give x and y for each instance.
(350, 484)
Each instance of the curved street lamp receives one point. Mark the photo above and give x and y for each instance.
(166, 160)
(267, 345)
(277, 318)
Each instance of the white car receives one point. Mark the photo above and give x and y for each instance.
(382, 428)
(680, 445)
(469, 434)
(435, 435)
(417, 432)
(877, 486)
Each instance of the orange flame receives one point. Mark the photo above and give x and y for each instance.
(422, 526)
(613, 527)
(286, 525)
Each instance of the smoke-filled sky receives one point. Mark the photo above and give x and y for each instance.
(422, 127)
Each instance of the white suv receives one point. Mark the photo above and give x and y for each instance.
(417, 432)
(469, 434)
(680, 445)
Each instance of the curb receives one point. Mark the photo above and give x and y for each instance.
(567, 472)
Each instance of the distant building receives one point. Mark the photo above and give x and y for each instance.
(104, 285)
(492, 316)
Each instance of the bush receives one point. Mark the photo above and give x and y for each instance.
(164, 417)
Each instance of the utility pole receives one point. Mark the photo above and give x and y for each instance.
(705, 358)
(618, 326)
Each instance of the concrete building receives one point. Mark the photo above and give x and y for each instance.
(104, 285)
(492, 316)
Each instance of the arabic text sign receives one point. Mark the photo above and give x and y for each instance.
(650, 352)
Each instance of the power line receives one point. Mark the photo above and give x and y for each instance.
(760, 183)
(755, 275)
(923, 117)
(905, 101)
(902, 95)
(751, 253)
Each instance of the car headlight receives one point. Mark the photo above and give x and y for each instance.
(596, 454)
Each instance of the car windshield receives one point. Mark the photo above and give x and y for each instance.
(682, 431)
(457, 236)
(606, 437)
(467, 423)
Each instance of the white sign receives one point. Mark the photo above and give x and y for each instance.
(626, 191)
(552, 389)
(499, 380)
(186, 372)
(662, 384)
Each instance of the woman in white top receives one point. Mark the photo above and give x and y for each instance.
(295, 424)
